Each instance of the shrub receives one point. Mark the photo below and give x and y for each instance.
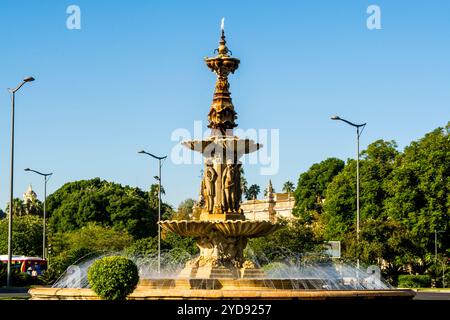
(414, 281)
(113, 278)
(18, 279)
(22, 279)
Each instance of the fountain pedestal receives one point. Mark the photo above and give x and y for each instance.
(221, 245)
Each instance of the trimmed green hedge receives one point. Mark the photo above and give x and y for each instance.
(113, 278)
(414, 281)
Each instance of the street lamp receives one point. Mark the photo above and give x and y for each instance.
(11, 206)
(358, 134)
(159, 204)
(46, 178)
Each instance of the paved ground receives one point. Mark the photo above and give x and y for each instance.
(7, 293)
(432, 295)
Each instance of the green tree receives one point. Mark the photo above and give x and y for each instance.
(339, 211)
(93, 237)
(154, 195)
(312, 184)
(143, 247)
(26, 236)
(290, 241)
(184, 211)
(78, 245)
(78, 203)
(171, 241)
(288, 187)
(252, 192)
(18, 207)
(33, 207)
(419, 195)
(383, 242)
(167, 211)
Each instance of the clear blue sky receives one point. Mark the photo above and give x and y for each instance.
(135, 72)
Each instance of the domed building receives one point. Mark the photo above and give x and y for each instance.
(30, 201)
(29, 195)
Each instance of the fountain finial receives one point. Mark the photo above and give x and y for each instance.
(222, 115)
(222, 49)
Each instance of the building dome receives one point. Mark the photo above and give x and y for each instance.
(29, 195)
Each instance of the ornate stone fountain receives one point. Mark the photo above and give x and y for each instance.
(221, 231)
(220, 228)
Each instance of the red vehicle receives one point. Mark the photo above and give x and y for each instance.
(25, 264)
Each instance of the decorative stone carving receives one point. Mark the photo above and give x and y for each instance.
(210, 186)
(222, 115)
(221, 244)
(229, 188)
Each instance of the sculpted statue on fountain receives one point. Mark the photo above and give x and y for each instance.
(221, 189)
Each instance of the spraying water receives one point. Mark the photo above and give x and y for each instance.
(296, 271)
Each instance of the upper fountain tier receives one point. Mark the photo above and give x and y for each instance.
(223, 147)
(221, 115)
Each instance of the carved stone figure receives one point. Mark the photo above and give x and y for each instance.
(238, 186)
(210, 186)
(229, 188)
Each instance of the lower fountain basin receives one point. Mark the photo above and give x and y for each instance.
(228, 228)
(237, 290)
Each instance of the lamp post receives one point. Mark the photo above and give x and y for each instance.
(358, 134)
(159, 204)
(46, 178)
(11, 206)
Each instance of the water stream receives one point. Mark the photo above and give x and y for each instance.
(298, 271)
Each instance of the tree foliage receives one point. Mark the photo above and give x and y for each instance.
(184, 211)
(311, 187)
(20, 208)
(376, 167)
(93, 237)
(252, 192)
(113, 278)
(288, 187)
(26, 235)
(74, 246)
(78, 203)
(419, 192)
(404, 199)
(291, 240)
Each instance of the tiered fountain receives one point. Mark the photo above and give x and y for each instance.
(220, 228)
(221, 231)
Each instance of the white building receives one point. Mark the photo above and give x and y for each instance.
(273, 206)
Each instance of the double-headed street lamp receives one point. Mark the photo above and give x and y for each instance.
(11, 205)
(46, 178)
(159, 204)
(358, 134)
